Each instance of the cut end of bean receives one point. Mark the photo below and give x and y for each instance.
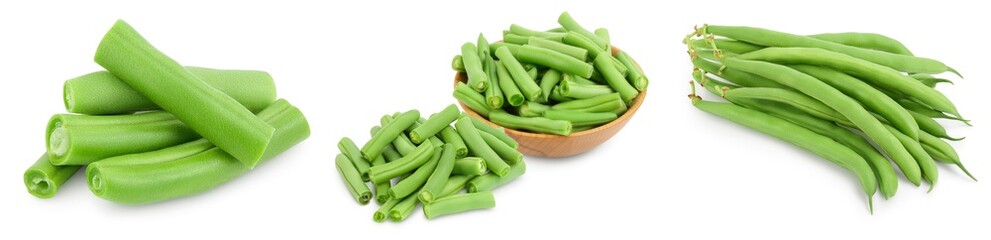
(38, 184)
(379, 216)
(396, 216)
(95, 181)
(365, 198)
(58, 141)
(426, 197)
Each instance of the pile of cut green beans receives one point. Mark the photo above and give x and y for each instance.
(149, 130)
(559, 81)
(411, 160)
(856, 99)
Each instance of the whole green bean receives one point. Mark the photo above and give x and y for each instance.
(449, 135)
(472, 99)
(926, 162)
(581, 91)
(385, 172)
(382, 213)
(434, 186)
(459, 203)
(43, 179)
(454, 185)
(724, 44)
(488, 182)
(203, 108)
(615, 80)
(349, 149)
(522, 31)
(373, 148)
(571, 25)
(458, 63)
(635, 74)
(927, 111)
(866, 40)
(576, 52)
(553, 59)
(942, 157)
(477, 79)
(507, 153)
(403, 209)
(82, 139)
(469, 166)
(581, 119)
(932, 127)
(706, 61)
(478, 147)
(352, 179)
(415, 181)
(498, 132)
(437, 122)
(929, 80)
(795, 99)
(523, 80)
(535, 124)
(509, 89)
(547, 83)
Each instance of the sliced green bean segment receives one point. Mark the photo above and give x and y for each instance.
(459, 203)
(523, 80)
(385, 172)
(477, 79)
(43, 179)
(581, 91)
(493, 94)
(553, 59)
(515, 39)
(483, 48)
(415, 181)
(535, 124)
(635, 75)
(373, 148)
(507, 153)
(577, 40)
(469, 166)
(547, 83)
(381, 189)
(576, 52)
(478, 147)
(603, 34)
(579, 80)
(613, 101)
(458, 63)
(454, 185)
(83, 139)
(382, 213)
(512, 47)
(434, 186)
(522, 31)
(349, 149)
(403, 209)
(489, 182)
(513, 95)
(435, 124)
(472, 99)
(532, 109)
(571, 25)
(499, 133)
(353, 180)
(581, 119)
(449, 135)
(615, 80)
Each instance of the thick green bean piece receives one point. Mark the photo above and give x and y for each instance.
(349, 149)
(866, 40)
(523, 80)
(381, 189)
(604, 103)
(101, 92)
(571, 25)
(472, 99)
(494, 97)
(412, 184)
(478, 147)
(458, 63)
(577, 40)
(449, 135)
(435, 124)
(469, 166)
(403, 209)
(547, 83)
(385, 172)
(535, 124)
(903, 63)
(43, 179)
(507, 153)
(553, 59)
(515, 39)
(382, 213)
(203, 108)
(483, 48)
(797, 135)
(508, 86)
(835, 99)
(477, 79)
(373, 148)
(353, 180)
(489, 182)
(434, 186)
(83, 139)
(879, 75)
(581, 119)
(615, 80)
(522, 31)
(459, 203)
(499, 133)
(532, 109)
(189, 168)
(576, 52)
(604, 34)
(454, 185)
(635, 74)
(582, 91)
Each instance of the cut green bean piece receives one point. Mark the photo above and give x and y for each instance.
(349, 149)
(83, 139)
(403, 209)
(458, 63)
(581, 91)
(499, 133)
(532, 109)
(603, 34)
(615, 80)
(469, 166)
(203, 108)
(478, 147)
(555, 60)
(43, 179)
(533, 71)
(382, 213)
(523, 80)
(489, 182)
(515, 39)
(459, 203)
(449, 135)
(435, 124)
(556, 96)
(507, 153)
(472, 99)
(522, 31)
(403, 145)
(590, 103)
(634, 73)
(101, 92)
(373, 148)
(381, 189)
(512, 47)
(493, 94)
(576, 52)
(581, 119)
(547, 83)
(477, 79)
(454, 185)
(483, 49)
(434, 186)
(385, 172)
(571, 25)
(415, 181)
(577, 40)
(353, 180)
(508, 86)
(535, 124)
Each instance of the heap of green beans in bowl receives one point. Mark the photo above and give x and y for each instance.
(856, 99)
(559, 81)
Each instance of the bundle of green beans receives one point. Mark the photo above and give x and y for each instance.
(410, 160)
(559, 81)
(837, 95)
(150, 130)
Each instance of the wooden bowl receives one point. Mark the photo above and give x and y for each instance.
(555, 146)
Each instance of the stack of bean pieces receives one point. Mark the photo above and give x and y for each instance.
(824, 92)
(410, 160)
(559, 81)
(149, 129)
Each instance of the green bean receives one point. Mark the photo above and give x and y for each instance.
(577, 40)
(578, 80)
(203, 108)
(454, 185)
(532, 109)
(603, 34)
(478, 147)
(927, 111)
(635, 74)
(867, 95)
(512, 47)
(483, 49)
(866, 40)
(581, 119)
(797, 135)
(472, 99)
(449, 135)
(705, 60)
(903, 63)
(553, 59)
(469, 166)
(523, 80)
(798, 100)
(499, 133)
(382, 213)
(102, 93)
(533, 72)
(534, 124)
(493, 94)
(724, 44)
(83, 139)
(513, 95)
(619, 65)
(557, 30)
(349, 149)
(580, 91)
(373, 148)
(381, 189)
(835, 99)
(436, 122)
(477, 79)
(615, 80)
(932, 127)
(547, 83)
(556, 96)
(572, 26)
(926, 162)
(878, 75)
(415, 181)
(576, 52)
(459, 203)
(488, 182)
(434, 186)
(929, 80)
(353, 180)
(403, 145)
(515, 39)
(189, 168)
(947, 156)
(507, 153)
(458, 63)
(519, 30)
(385, 172)
(43, 179)
(586, 103)
(946, 151)
(403, 209)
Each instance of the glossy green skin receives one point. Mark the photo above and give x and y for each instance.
(100, 93)
(435, 124)
(515, 39)
(581, 119)
(931, 126)
(507, 153)
(455, 184)
(835, 99)
(615, 79)
(478, 147)
(508, 86)
(499, 133)
(43, 179)
(169, 85)
(525, 82)
(415, 181)
(878, 75)
(349, 149)
(764, 37)
(189, 168)
(534, 124)
(385, 172)
(571, 25)
(604, 103)
(352, 179)
(381, 189)
(553, 59)
(489, 181)
(373, 148)
(469, 166)
(472, 99)
(458, 64)
(459, 203)
(576, 52)
(926, 163)
(451, 136)
(547, 83)
(434, 186)
(635, 74)
(88, 138)
(798, 100)
(477, 79)
(797, 135)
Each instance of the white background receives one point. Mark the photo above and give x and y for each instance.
(674, 172)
